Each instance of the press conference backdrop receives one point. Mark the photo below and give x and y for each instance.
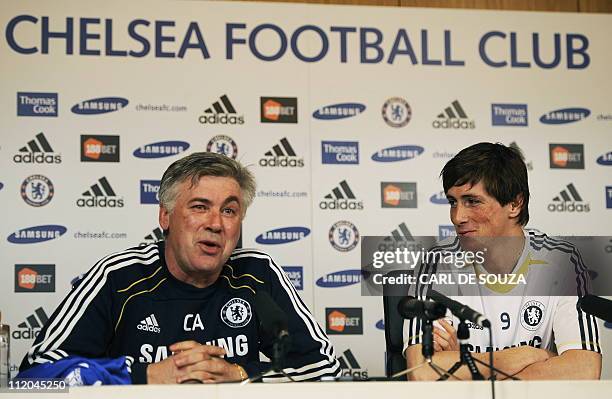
(345, 115)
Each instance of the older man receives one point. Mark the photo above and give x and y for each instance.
(538, 331)
(182, 309)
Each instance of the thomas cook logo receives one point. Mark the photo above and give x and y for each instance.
(340, 152)
(149, 191)
(568, 200)
(564, 116)
(37, 190)
(282, 235)
(532, 314)
(341, 278)
(100, 105)
(100, 195)
(236, 313)
(338, 111)
(35, 234)
(37, 150)
(37, 104)
(343, 236)
(221, 112)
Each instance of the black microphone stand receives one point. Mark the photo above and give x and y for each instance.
(465, 357)
(280, 347)
(427, 350)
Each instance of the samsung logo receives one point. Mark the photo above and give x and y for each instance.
(380, 324)
(565, 115)
(161, 149)
(605, 159)
(338, 111)
(100, 105)
(340, 279)
(439, 198)
(282, 236)
(32, 235)
(398, 153)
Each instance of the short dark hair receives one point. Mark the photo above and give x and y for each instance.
(501, 169)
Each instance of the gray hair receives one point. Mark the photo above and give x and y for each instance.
(200, 164)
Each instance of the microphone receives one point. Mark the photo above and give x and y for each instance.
(272, 318)
(463, 312)
(596, 306)
(274, 322)
(410, 307)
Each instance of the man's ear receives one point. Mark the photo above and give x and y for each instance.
(516, 206)
(164, 218)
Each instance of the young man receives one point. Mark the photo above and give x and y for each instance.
(538, 332)
(183, 309)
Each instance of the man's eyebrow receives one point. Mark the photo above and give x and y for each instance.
(231, 198)
(469, 195)
(200, 199)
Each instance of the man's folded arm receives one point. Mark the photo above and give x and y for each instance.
(511, 361)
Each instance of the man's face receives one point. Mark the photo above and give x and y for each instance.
(204, 225)
(475, 213)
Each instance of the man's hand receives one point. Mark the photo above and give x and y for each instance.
(192, 361)
(445, 339)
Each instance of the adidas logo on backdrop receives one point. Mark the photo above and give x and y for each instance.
(100, 195)
(351, 367)
(221, 112)
(341, 197)
(453, 117)
(37, 150)
(30, 328)
(568, 200)
(282, 156)
(156, 235)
